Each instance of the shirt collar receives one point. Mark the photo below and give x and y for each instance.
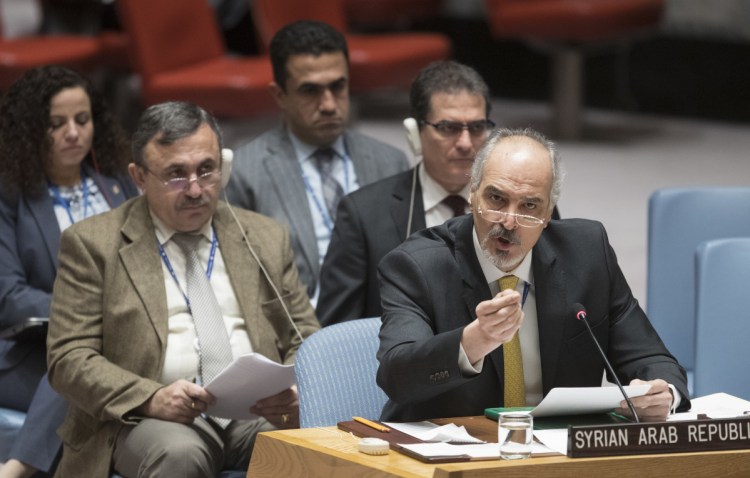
(304, 150)
(433, 193)
(164, 233)
(492, 273)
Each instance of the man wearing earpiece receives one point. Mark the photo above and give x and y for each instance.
(297, 172)
(450, 107)
(155, 298)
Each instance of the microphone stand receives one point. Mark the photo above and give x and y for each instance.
(582, 316)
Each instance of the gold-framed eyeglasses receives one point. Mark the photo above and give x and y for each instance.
(205, 180)
(454, 128)
(500, 216)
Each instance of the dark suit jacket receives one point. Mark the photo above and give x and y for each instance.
(109, 322)
(29, 241)
(267, 178)
(370, 223)
(431, 285)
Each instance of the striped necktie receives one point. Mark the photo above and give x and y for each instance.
(514, 386)
(332, 190)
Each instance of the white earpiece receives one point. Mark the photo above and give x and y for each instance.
(412, 136)
(226, 165)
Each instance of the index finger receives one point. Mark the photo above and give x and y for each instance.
(196, 392)
(500, 301)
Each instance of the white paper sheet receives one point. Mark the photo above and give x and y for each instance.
(248, 379)
(582, 400)
(431, 432)
(555, 440)
(716, 405)
(476, 451)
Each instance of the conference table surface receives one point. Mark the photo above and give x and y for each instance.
(332, 453)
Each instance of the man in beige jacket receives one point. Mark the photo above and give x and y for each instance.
(122, 344)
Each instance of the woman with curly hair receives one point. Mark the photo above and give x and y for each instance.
(63, 158)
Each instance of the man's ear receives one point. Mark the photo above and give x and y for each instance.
(277, 93)
(138, 175)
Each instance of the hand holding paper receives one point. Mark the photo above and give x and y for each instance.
(249, 378)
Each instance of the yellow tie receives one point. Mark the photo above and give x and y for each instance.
(515, 389)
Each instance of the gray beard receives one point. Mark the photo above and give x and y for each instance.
(500, 259)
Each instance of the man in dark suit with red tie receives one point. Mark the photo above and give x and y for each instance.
(451, 105)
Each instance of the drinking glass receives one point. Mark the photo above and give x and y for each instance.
(515, 433)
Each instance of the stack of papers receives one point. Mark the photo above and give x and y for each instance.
(452, 441)
(430, 432)
(248, 379)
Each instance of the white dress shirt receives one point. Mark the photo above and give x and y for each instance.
(435, 212)
(182, 358)
(343, 171)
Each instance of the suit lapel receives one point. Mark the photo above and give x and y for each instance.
(401, 204)
(43, 211)
(365, 165)
(110, 187)
(243, 271)
(285, 173)
(140, 258)
(551, 308)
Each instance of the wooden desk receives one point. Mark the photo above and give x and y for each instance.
(331, 453)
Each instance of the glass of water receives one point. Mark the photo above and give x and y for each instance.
(515, 433)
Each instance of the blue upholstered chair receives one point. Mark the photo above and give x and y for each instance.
(336, 369)
(678, 220)
(722, 307)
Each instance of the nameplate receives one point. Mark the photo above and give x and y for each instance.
(659, 437)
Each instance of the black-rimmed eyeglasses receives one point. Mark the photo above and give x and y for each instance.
(454, 128)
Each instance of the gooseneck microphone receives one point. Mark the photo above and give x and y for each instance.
(581, 315)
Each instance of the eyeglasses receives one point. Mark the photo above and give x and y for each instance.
(454, 128)
(500, 216)
(205, 180)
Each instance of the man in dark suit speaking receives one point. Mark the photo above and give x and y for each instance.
(479, 312)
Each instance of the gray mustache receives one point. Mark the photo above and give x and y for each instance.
(499, 231)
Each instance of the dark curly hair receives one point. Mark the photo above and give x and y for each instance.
(25, 141)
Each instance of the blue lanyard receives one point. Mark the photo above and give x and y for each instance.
(324, 214)
(209, 268)
(525, 293)
(65, 203)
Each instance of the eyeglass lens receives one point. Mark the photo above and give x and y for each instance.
(206, 179)
(521, 219)
(476, 128)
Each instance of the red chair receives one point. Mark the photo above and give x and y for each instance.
(177, 49)
(383, 13)
(377, 61)
(567, 28)
(20, 54)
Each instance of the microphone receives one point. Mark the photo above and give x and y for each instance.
(581, 315)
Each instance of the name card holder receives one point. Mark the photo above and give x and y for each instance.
(659, 437)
